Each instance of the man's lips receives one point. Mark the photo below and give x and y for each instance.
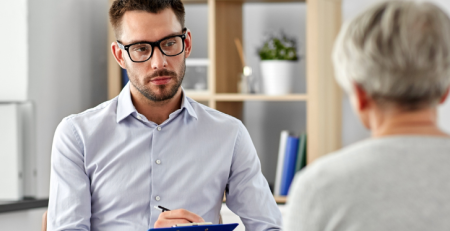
(161, 80)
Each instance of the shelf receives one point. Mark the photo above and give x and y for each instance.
(10, 206)
(280, 199)
(198, 96)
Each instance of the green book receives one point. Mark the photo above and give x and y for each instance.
(301, 154)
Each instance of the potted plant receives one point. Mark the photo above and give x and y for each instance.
(278, 63)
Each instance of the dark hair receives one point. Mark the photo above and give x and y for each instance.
(119, 7)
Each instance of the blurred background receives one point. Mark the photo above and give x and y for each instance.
(54, 56)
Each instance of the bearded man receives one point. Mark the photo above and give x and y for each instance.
(152, 145)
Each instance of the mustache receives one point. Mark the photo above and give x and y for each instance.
(163, 72)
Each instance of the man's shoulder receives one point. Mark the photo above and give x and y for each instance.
(95, 114)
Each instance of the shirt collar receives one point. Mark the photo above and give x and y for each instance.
(125, 106)
(186, 103)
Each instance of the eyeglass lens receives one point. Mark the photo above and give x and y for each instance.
(169, 46)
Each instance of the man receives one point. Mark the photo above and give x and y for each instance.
(152, 145)
(394, 62)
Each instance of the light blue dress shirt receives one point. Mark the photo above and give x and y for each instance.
(111, 166)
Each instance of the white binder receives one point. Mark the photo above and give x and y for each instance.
(17, 157)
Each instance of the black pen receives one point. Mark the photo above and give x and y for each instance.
(161, 208)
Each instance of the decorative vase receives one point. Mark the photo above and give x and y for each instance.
(277, 76)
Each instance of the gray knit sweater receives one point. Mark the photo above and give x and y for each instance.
(392, 183)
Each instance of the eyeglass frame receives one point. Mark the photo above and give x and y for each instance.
(153, 45)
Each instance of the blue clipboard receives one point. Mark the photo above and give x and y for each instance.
(219, 227)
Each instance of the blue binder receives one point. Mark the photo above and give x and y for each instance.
(290, 159)
(219, 227)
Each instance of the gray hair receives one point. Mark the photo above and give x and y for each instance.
(398, 52)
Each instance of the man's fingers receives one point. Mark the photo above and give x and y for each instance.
(161, 223)
(181, 214)
(178, 216)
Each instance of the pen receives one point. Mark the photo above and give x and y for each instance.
(161, 208)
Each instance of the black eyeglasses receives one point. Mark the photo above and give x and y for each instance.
(142, 51)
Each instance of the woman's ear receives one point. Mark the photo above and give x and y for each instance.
(361, 99)
(361, 103)
(444, 97)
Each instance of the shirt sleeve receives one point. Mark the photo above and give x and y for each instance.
(248, 194)
(70, 199)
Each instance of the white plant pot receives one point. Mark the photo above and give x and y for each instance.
(277, 76)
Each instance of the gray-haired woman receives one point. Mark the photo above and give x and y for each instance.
(394, 62)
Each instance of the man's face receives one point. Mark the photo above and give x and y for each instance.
(160, 77)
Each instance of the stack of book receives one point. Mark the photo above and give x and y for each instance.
(291, 159)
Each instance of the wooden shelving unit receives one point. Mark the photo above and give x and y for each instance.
(323, 97)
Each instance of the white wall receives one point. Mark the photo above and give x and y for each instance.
(352, 129)
(68, 49)
(196, 20)
(66, 45)
(14, 58)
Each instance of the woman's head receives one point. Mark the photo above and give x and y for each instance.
(398, 52)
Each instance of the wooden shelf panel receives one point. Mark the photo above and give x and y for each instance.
(199, 96)
(246, 97)
(280, 199)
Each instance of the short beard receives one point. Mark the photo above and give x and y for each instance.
(151, 95)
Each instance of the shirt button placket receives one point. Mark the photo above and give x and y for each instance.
(158, 198)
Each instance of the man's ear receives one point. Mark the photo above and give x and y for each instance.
(444, 97)
(188, 43)
(118, 54)
(361, 98)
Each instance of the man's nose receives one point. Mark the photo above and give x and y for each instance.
(158, 59)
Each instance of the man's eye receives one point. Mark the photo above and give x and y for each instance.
(170, 43)
(140, 49)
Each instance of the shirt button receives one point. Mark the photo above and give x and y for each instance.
(158, 162)
(158, 198)
(139, 117)
(159, 128)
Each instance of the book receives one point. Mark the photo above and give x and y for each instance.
(290, 160)
(28, 121)
(281, 152)
(11, 152)
(301, 154)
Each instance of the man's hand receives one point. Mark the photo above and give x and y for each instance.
(178, 216)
